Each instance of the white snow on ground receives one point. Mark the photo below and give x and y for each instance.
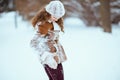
(92, 54)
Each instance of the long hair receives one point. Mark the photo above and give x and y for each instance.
(43, 16)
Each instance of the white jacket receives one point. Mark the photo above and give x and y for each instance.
(38, 43)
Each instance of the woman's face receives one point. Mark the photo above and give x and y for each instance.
(53, 19)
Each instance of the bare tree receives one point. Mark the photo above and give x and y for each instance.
(28, 8)
(105, 15)
(3, 5)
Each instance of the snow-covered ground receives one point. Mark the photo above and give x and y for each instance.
(92, 54)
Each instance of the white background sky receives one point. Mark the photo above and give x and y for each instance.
(92, 54)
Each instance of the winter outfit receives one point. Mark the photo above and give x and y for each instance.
(46, 43)
(42, 45)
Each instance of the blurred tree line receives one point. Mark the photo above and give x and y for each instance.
(92, 12)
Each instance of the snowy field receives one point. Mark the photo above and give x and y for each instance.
(92, 54)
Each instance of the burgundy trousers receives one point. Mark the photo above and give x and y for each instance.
(55, 74)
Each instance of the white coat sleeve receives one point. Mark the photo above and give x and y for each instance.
(39, 46)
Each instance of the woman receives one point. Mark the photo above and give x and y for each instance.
(46, 40)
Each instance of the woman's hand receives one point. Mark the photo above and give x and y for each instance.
(56, 59)
(51, 46)
(53, 49)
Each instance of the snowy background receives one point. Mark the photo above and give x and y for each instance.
(92, 54)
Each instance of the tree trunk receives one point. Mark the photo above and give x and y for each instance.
(105, 15)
